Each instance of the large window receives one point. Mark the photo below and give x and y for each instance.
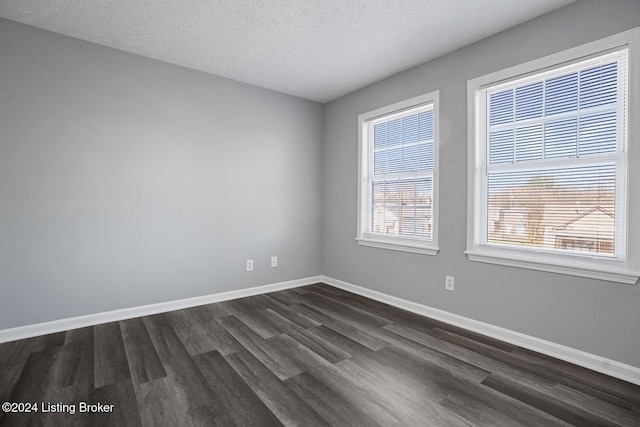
(549, 150)
(398, 176)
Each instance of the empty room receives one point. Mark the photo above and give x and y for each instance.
(314, 213)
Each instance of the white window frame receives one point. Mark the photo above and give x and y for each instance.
(365, 170)
(625, 269)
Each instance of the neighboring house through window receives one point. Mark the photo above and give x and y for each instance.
(398, 176)
(553, 147)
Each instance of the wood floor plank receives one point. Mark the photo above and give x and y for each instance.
(44, 342)
(288, 313)
(337, 410)
(76, 358)
(144, 362)
(207, 336)
(198, 329)
(178, 398)
(157, 321)
(494, 352)
(314, 355)
(595, 406)
(400, 394)
(196, 339)
(250, 312)
(299, 290)
(448, 388)
(286, 297)
(9, 376)
(359, 335)
(378, 308)
(340, 381)
(457, 368)
(111, 365)
(216, 309)
(266, 351)
(125, 409)
(180, 319)
(234, 398)
(206, 313)
(513, 365)
(178, 363)
(344, 313)
(316, 287)
(484, 406)
(620, 400)
(340, 341)
(13, 357)
(570, 374)
(16, 352)
(314, 342)
(163, 402)
(477, 359)
(544, 402)
(38, 376)
(290, 409)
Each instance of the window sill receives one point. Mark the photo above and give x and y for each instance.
(535, 263)
(395, 245)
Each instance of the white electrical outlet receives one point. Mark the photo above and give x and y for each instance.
(249, 265)
(274, 261)
(448, 283)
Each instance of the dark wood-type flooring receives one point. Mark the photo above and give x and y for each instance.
(311, 356)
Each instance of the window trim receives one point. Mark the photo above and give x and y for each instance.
(388, 242)
(626, 271)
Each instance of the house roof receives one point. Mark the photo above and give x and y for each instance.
(595, 222)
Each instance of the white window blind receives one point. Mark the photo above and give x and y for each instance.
(402, 179)
(398, 174)
(553, 162)
(556, 159)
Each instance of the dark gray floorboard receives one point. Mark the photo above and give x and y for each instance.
(41, 372)
(359, 335)
(162, 402)
(535, 398)
(288, 313)
(341, 381)
(9, 376)
(181, 369)
(307, 338)
(458, 368)
(309, 356)
(344, 312)
(268, 352)
(570, 374)
(143, 360)
(337, 410)
(235, 401)
(284, 403)
(125, 409)
(111, 363)
(287, 297)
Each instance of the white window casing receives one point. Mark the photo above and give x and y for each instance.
(554, 162)
(398, 176)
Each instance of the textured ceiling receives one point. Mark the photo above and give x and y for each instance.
(315, 49)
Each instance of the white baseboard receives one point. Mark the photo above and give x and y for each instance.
(578, 357)
(597, 363)
(44, 328)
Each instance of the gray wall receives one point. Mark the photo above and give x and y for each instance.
(126, 181)
(595, 316)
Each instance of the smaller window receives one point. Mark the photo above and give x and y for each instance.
(397, 189)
